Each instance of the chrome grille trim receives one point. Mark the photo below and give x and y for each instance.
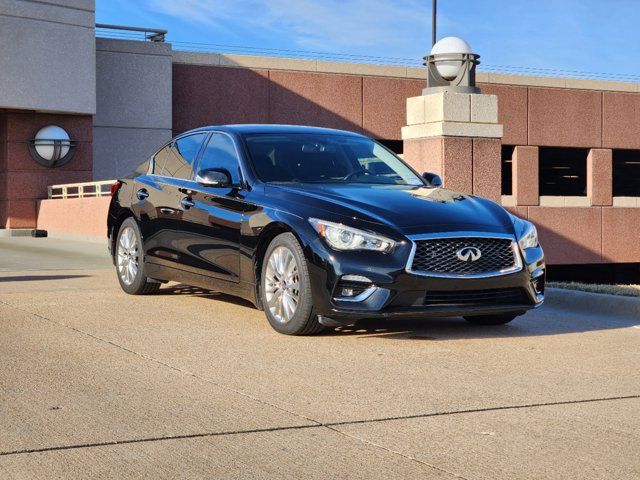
(517, 257)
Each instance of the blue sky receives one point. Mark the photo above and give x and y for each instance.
(585, 35)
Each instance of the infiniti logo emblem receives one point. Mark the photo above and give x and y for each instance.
(468, 254)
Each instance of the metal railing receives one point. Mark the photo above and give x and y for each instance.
(81, 190)
(130, 33)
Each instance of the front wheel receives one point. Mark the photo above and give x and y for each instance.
(130, 261)
(491, 319)
(286, 288)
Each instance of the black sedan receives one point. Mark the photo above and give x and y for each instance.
(318, 227)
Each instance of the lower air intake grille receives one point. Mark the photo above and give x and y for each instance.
(464, 298)
(439, 256)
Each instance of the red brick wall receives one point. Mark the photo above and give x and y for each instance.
(532, 116)
(209, 95)
(22, 180)
(539, 116)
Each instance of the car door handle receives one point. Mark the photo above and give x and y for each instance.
(167, 211)
(187, 203)
(142, 194)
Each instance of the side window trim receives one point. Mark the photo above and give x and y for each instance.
(235, 148)
(152, 166)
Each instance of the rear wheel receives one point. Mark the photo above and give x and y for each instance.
(286, 288)
(491, 319)
(129, 261)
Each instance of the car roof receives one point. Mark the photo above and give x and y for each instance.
(245, 129)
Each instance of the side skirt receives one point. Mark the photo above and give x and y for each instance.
(240, 289)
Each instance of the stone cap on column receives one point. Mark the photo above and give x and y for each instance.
(452, 114)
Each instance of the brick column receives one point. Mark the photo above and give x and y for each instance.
(526, 180)
(457, 136)
(600, 176)
(487, 168)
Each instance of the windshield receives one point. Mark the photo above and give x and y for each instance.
(325, 158)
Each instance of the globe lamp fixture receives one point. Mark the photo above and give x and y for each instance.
(52, 147)
(451, 66)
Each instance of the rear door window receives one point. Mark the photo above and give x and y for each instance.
(177, 159)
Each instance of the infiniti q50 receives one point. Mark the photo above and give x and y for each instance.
(318, 227)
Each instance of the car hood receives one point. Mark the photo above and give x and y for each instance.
(402, 206)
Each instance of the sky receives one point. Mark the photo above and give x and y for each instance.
(600, 36)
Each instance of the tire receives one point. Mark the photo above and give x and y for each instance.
(129, 259)
(289, 310)
(491, 319)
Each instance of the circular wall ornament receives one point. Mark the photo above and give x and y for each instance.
(52, 147)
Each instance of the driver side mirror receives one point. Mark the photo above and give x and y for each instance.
(433, 179)
(214, 177)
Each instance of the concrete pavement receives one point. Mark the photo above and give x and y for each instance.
(189, 384)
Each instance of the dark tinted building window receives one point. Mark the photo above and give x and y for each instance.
(396, 146)
(220, 152)
(507, 169)
(181, 155)
(626, 173)
(563, 171)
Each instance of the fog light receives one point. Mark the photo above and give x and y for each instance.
(538, 284)
(353, 288)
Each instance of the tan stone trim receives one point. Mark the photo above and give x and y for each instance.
(452, 129)
(626, 202)
(559, 82)
(558, 201)
(508, 201)
(369, 69)
(294, 64)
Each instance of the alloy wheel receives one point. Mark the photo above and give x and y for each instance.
(128, 256)
(282, 284)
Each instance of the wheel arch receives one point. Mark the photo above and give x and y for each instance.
(267, 235)
(122, 215)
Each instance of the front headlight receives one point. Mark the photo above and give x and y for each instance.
(530, 237)
(341, 237)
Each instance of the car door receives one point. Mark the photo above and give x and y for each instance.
(158, 196)
(213, 215)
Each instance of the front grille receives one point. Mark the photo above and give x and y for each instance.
(473, 298)
(439, 256)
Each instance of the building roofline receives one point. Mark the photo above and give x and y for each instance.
(392, 71)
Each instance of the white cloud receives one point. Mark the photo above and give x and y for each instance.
(378, 25)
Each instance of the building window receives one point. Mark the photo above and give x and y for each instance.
(626, 173)
(563, 171)
(394, 145)
(507, 169)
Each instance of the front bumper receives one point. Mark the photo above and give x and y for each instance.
(400, 293)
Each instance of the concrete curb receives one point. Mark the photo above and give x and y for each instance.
(16, 232)
(78, 238)
(592, 303)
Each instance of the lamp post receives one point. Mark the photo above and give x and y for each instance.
(434, 13)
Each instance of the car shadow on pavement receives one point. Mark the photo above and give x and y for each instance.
(545, 321)
(539, 323)
(36, 278)
(181, 289)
